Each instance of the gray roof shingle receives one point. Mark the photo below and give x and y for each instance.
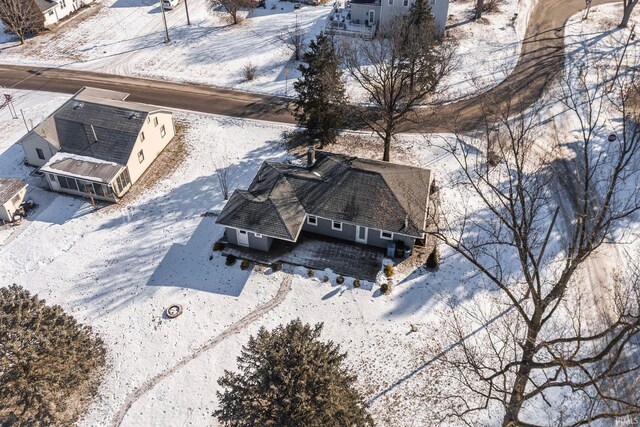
(9, 187)
(370, 193)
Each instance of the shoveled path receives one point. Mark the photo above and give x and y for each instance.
(283, 291)
(541, 60)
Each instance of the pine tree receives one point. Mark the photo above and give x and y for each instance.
(289, 378)
(47, 361)
(420, 15)
(320, 104)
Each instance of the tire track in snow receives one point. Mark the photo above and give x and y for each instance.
(133, 397)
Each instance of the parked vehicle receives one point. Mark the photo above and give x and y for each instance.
(297, 5)
(170, 4)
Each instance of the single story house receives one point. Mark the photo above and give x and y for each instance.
(55, 10)
(12, 192)
(359, 200)
(98, 144)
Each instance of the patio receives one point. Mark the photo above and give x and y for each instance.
(318, 253)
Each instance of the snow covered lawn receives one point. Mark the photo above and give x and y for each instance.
(118, 268)
(126, 37)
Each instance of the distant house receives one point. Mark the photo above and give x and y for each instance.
(361, 18)
(12, 192)
(55, 10)
(98, 143)
(358, 200)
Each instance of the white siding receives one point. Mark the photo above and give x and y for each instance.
(31, 143)
(152, 145)
(9, 208)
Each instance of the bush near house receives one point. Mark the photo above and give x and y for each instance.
(310, 273)
(385, 288)
(356, 283)
(231, 259)
(218, 246)
(50, 365)
(276, 266)
(340, 280)
(244, 264)
(388, 270)
(433, 260)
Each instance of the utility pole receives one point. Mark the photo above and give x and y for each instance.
(186, 8)
(164, 19)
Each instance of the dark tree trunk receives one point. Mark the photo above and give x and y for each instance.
(387, 146)
(626, 14)
(479, 7)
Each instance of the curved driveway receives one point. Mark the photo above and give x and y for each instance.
(541, 59)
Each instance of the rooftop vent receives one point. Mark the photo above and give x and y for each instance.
(317, 174)
(133, 115)
(78, 106)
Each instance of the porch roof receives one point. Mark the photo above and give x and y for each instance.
(81, 167)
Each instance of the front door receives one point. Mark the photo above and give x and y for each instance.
(361, 234)
(243, 238)
(372, 17)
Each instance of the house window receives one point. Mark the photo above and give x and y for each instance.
(52, 177)
(40, 153)
(68, 183)
(155, 121)
(141, 156)
(406, 3)
(51, 13)
(148, 119)
(163, 131)
(63, 4)
(390, 2)
(336, 225)
(386, 235)
(312, 220)
(259, 236)
(142, 137)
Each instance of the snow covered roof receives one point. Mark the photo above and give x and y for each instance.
(82, 167)
(9, 187)
(371, 193)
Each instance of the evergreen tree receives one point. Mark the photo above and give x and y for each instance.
(434, 259)
(420, 15)
(50, 365)
(289, 378)
(320, 104)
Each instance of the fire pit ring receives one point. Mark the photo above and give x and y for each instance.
(173, 311)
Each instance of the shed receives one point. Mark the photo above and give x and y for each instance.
(12, 192)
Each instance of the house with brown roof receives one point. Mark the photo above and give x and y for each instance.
(98, 144)
(12, 192)
(344, 197)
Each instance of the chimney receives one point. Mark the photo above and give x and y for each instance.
(311, 156)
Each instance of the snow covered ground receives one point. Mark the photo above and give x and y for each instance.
(126, 37)
(117, 268)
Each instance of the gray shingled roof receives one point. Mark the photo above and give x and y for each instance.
(45, 5)
(9, 187)
(116, 130)
(370, 193)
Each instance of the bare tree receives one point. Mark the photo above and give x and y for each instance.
(544, 215)
(232, 7)
(627, 8)
(294, 39)
(398, 70)
(479, 9)
(225, 174)
(21, 17)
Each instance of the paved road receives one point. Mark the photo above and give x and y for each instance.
(541, 60)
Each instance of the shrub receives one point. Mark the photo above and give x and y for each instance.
(325, 279)
(231, 259)
(276, 266)
(356, 283)
(385, 288)
(388, 270)
(218, 246)
(310, 273)
(244, 264)
(340, 280)
(249, 72)
(434, 259)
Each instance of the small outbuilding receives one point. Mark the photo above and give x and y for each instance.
(12, 193)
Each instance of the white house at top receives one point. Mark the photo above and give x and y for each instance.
(55, 10)
(98, 144)
(361, 18)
